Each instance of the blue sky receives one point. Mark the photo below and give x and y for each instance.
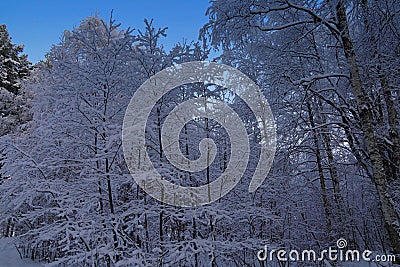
(39, 24)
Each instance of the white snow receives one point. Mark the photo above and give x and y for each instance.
(9, 256)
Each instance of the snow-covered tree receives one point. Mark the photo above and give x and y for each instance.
(14, 67)
(70, 200)
(322, 63)
(14, 101)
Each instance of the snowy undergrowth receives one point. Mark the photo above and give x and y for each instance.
(9, 256)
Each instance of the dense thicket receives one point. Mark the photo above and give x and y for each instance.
(329, 70)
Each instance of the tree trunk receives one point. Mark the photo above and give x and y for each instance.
(393, 131)
(320, 170)
(364, 106)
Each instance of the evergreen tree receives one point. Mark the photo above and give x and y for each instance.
(13, 66)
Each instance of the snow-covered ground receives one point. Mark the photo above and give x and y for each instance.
(9, 256)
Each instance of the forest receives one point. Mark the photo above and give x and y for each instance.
(330, 72)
